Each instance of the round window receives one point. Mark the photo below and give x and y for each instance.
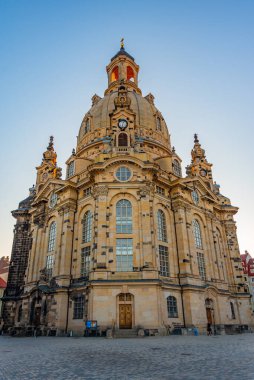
(195, 197)
(53, 200)
(123, 174)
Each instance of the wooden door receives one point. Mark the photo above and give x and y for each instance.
(209, 315)
(125, 316)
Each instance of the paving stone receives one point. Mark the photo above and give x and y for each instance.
(160, 358)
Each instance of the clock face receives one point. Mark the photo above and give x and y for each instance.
(203, 172)
(122, 124)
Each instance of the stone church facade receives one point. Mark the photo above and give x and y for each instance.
(126, 239)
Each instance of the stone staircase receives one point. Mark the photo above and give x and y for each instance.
(125, 333)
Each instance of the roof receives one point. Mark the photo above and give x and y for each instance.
(2, 283)
(122, 51)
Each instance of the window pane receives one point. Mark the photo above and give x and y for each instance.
(78, 310)
(123, 173)
(201, 265)
(177, 168)
(52, 237)
(164, 263)
(49, 265)
(87, 227)
(124, 255)
(85, 261)
(161, 220)
(172, 307)
(197, 233)
(123, 217)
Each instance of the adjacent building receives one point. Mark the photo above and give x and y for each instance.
(125, 239)
(248, 270)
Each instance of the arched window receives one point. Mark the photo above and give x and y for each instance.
(177, 168)
(115, 74)
(87, 128)
(162, 231)
(172, 307)
(197, 234)
(130, 73)
(87, 227)
(52, 237)
(123, 217)
(158, 123)
(232, 310)
(122, 139)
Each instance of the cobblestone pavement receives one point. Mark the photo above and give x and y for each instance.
(171, 357)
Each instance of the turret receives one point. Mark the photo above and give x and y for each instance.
(122, 69)
(48, 168)
(199, 165)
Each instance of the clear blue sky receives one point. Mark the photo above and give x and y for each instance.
(196, 57)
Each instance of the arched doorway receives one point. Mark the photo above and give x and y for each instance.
(125, 304)
(35, 312)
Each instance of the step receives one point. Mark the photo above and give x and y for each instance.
(126, 333)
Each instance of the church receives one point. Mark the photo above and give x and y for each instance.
(126, 241)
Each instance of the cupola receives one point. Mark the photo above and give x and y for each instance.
(122, 69)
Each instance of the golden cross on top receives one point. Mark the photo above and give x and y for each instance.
(122, 43)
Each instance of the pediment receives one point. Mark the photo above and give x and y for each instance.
(201, 186)
(48, 187)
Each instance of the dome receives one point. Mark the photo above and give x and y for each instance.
(144, 110)
(123, 100)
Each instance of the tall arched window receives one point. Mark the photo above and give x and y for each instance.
(158, 123)
(197, 233)
(172, 307)
(130, 73)
(52, 237)
(122, 139)
(87, 227)
(115, 74)
(162, 231)
(87, 128)
(123, 217)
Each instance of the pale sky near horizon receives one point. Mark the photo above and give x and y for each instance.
(195, 57)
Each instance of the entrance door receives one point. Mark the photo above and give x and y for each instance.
(125, 316)
(209, 315)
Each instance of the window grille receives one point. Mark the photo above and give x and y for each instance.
(52, 237)
(124, 255)
(87, 191)
(201, 265)
(172, 307)
(197, 234)
(85, 261)
(49, 265)
(162, 230)
(87, 227)
(123, 217)
(164, 262)
(78, 309)
(160, 190)
(158, 123)
(70, 169)
(123, 174)
(177, 168)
